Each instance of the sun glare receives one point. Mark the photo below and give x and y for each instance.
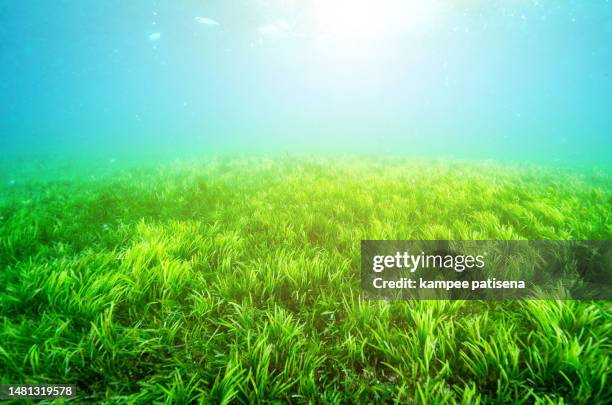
(349, 20)
(359, 22)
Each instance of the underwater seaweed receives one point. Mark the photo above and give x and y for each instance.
(237, 280)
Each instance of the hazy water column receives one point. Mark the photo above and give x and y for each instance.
(526, 81)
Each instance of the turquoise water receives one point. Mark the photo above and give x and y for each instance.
(519, 80)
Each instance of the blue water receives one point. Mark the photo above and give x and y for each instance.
(521, 80)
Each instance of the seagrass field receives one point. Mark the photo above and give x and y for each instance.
(185, 186)
(236, 280)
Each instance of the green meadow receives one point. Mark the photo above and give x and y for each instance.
(238, 281)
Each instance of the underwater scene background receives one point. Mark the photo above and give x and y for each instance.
(184, 186)
(519, 80)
